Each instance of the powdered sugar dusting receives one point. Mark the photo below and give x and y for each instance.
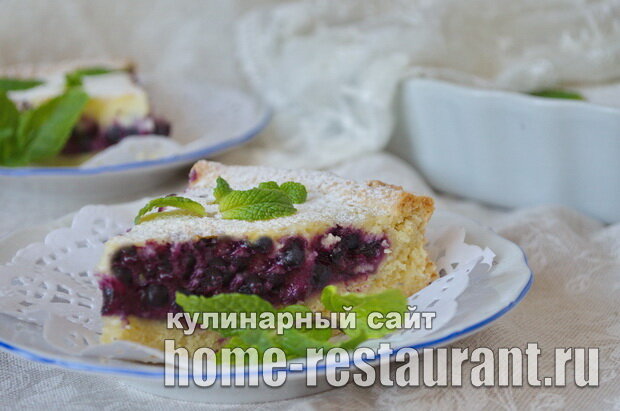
(331, 201)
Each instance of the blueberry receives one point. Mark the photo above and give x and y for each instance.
(131, 131)
(293, 255)
(187, 264)
(371, 249)
(123, 274)
(217, 263)
(126, 255)
(212, 279)
(263, 245)
(165, 268)
(239, 263)
(108, 296)
(252, 286)
(114, 134)
(351, 241)
(321, 274)
(156, 295)
(162, 128)
(336, 255)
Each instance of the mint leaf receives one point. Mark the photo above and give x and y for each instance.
(11, 84)
(362, 305)
(9, 121)
(262, 340)
(294, 342)
(263, 203)
(270, 185)
(224, 303)
(44, 131)
(183, 203)
(296, 192)
(318, 334)
(75, 78)
(557, 93)
(255, 204)
(221, 189)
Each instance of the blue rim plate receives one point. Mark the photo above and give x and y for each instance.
(511, 260)
(180, 158)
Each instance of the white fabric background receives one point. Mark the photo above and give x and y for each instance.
(576, 260)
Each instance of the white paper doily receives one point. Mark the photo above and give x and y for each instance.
(52, 283)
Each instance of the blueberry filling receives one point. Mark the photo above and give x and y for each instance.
(145, 279)
(87, 136)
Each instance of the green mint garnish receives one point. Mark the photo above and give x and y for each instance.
(296, 192)
(10, 84)
(292, 341)
(362, 305)
(40, 132)
(557, 93)
(270, 185)
(255, 204)
(182, 203)
(75, 77)
(221, 189)
(267, 201)
(224, 303)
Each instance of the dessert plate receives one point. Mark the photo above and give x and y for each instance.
(483, 297)
(207, 119)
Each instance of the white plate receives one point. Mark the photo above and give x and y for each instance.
(511, 149)
(487, 297)
(207, 119)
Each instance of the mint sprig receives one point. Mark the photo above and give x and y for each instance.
(296, 191)
(270, 185)
(224, 303)
(558, 93)
(41, 132)
(221, 189)
(255, 204)
(75, 78)
(14, 84)
(190, 206)
(294, 342)
(267, 201)
(362, 305)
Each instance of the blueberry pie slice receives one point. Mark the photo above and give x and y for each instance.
(360, 237)
(117, 106)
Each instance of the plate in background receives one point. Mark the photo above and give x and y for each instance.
(511, 149)
(229, 118)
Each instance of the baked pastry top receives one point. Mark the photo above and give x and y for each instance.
(331, 201)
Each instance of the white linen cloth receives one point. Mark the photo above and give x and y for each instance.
(576, 260)
(331, 68)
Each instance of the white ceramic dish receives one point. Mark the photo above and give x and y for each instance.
(226, 118)
(511, 149)
(487, 297)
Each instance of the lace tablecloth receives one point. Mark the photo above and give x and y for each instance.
(573, 302)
